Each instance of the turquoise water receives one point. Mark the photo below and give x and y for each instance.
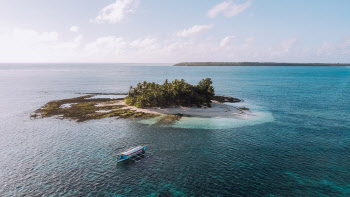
(298, 145)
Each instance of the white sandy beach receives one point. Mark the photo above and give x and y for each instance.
(216, 109)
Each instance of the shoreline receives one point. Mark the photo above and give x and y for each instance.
(257, 64)
(216, 110)
(89, 107)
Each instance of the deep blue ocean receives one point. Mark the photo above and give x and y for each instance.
(299, 146)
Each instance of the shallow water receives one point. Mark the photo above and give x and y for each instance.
(299, 145)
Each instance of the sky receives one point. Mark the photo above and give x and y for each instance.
(171, 31)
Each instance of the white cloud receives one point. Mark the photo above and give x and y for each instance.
(228, 9)
(74, 29)
(287, 44)
(195, 30)
(287, 50)
(150, 43)
(120, 49)
(227, 41)
(78, 38)
(116, 12)
(339, 49)
(105, 45)
(32, 37)
(27, 45)
(23, 45)
(250, 39)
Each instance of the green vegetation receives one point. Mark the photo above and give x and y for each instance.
(176, 93)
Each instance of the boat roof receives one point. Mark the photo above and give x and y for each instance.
(131, 150)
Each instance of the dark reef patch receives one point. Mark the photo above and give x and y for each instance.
(169, 119)
(86, 108)
(223, 99)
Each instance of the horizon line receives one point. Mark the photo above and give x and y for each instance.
(171, 62)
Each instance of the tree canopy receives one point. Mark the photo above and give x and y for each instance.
(176, 93)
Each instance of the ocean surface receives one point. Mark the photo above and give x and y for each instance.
(297, 145)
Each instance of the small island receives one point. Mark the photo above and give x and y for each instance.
(257, 64)
(167, 102)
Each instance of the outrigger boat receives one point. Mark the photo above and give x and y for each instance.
(131, 153)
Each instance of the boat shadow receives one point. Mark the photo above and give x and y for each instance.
(133, 160)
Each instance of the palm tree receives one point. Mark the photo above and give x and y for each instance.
(171, 94)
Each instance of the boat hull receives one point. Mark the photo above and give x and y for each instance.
(130, 153)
